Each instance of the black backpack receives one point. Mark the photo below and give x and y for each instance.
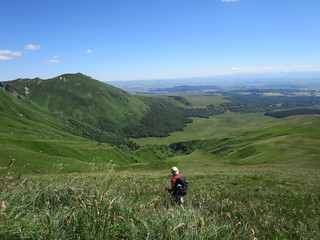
(182, 186)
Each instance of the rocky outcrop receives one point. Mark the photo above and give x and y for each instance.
(12, 90)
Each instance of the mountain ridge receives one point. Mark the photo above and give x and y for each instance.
(83, 98)
(40, 136)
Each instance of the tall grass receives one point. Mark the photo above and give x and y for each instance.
(222, 203)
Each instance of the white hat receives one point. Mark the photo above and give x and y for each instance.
(174, 170)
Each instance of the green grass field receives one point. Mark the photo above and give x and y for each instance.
(202, 101)
(222, 203)
(225, 125)
(227, 139)
(251, 177)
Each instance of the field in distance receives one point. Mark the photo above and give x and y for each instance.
(225, 125)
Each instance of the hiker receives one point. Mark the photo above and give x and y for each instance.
(179, 186)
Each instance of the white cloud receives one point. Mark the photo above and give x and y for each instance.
(280, 68)
(3, 57)
(89, 51)
(11, 53)
(236, 69)
(53, 60)
(229, 0)
(33, 47)
(266, 67)
(8, 55)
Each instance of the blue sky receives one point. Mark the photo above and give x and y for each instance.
(152, 39)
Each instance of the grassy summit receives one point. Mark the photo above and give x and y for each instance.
(82, 98)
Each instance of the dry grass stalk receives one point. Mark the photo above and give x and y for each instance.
(179, 226)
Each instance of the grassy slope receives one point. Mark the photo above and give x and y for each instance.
(296, 144)
(224, 125)
(246, 139)
(28, 135)
(195, 100)
(37, 148)
(222, 203)
(203, 101)
(102, 106)
(85, 99)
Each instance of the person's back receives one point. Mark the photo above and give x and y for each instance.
(179, 185)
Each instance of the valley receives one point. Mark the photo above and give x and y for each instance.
(77, 122)
(169, 120)
(90, 166)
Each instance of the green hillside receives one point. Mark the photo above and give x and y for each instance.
(39, 141)
(60, 125)
(82, 98)
(41, 136)
(30, 135)
(92, 107)
(245, 139)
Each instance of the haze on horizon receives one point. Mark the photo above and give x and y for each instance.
(135, 40)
